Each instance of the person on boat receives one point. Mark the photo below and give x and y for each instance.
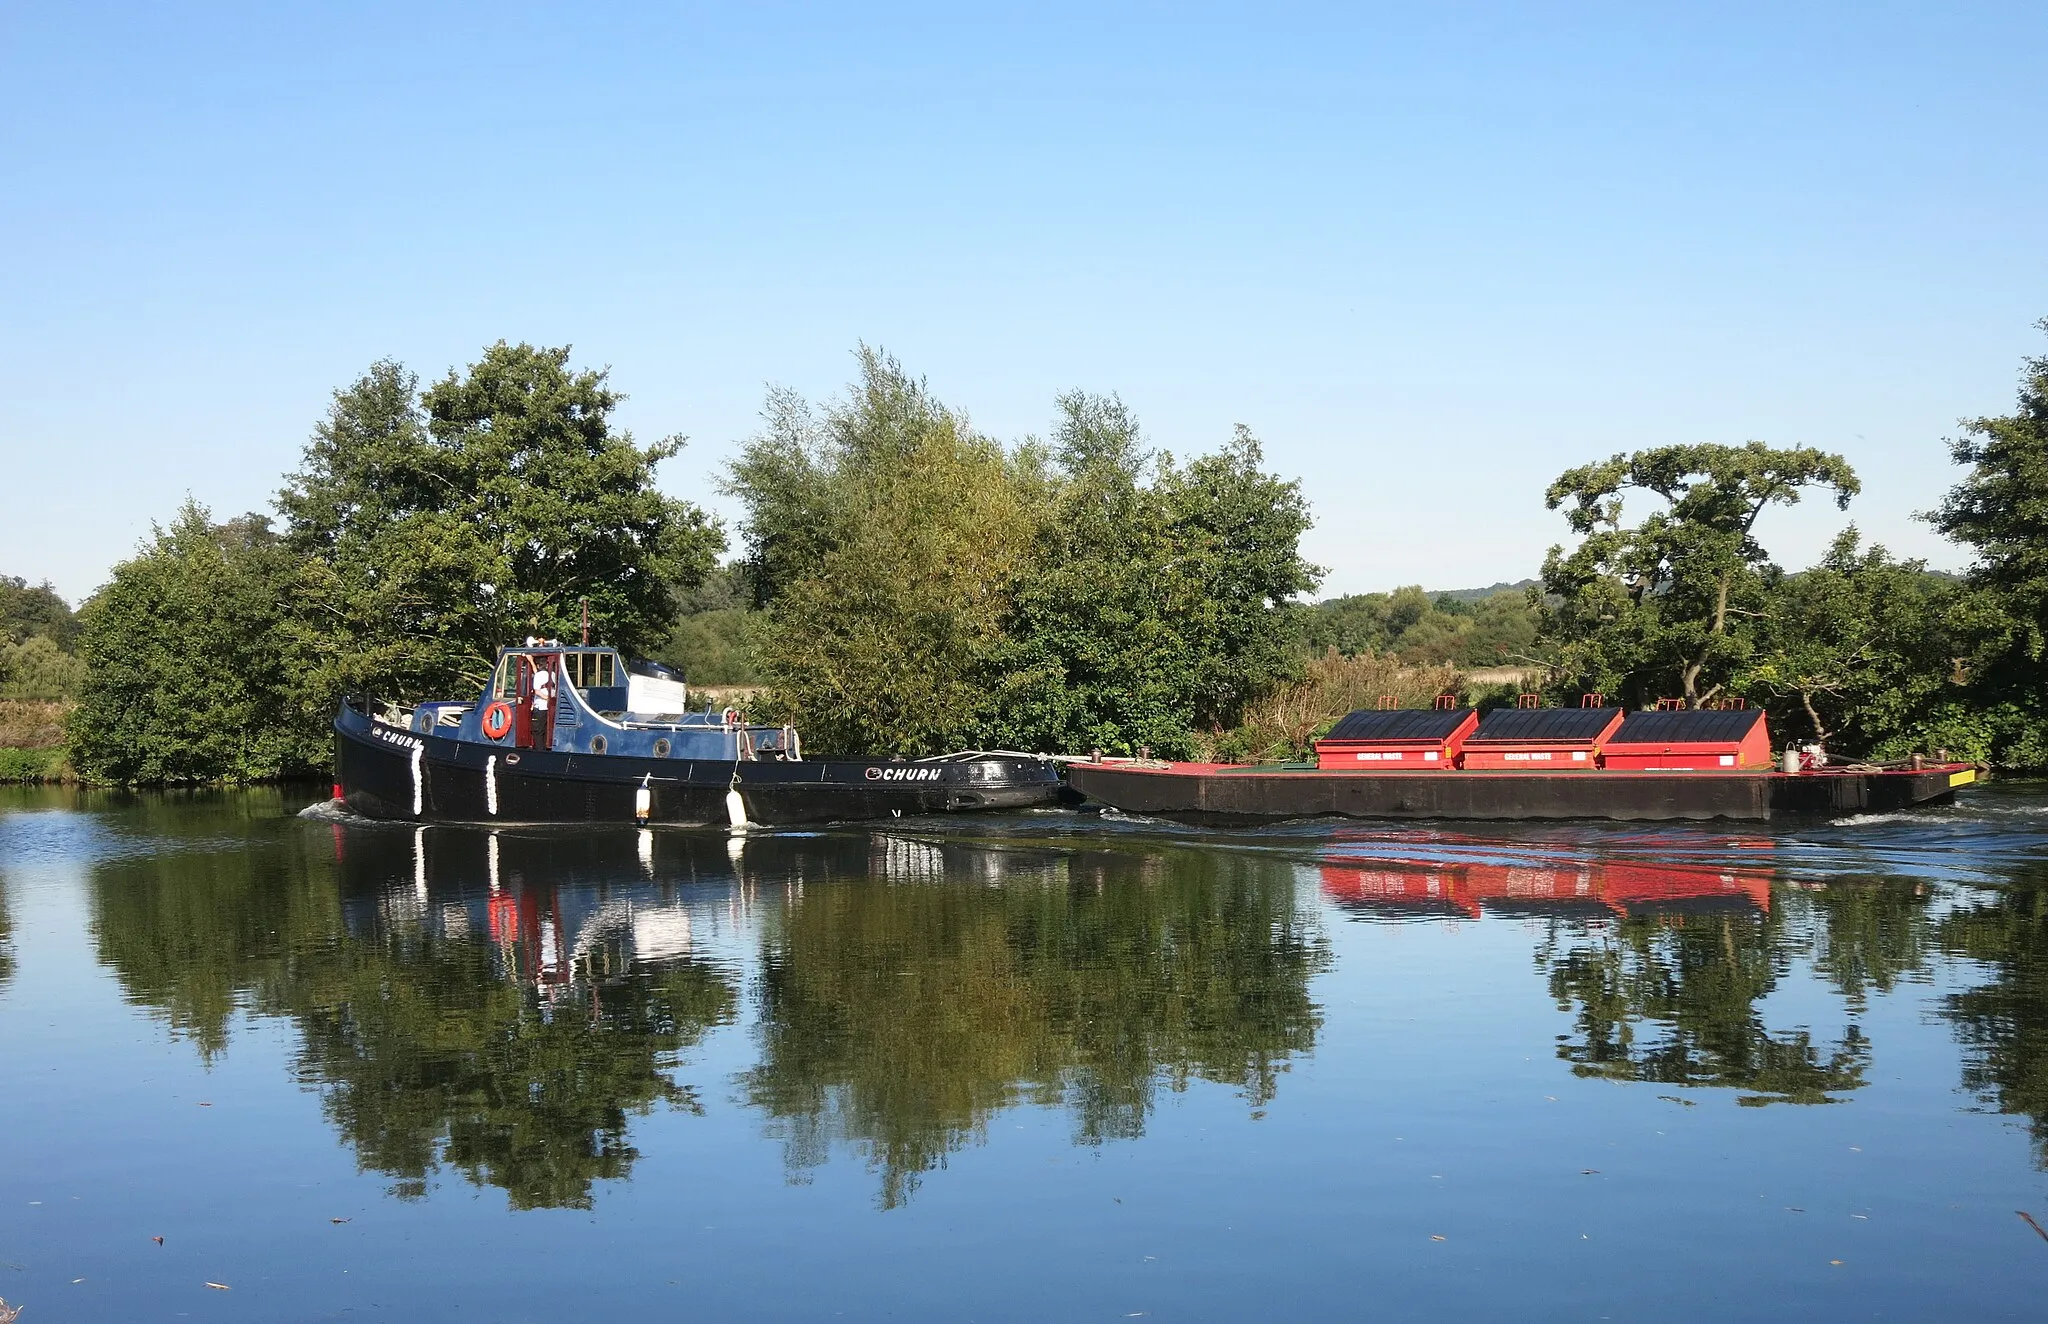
(543, 700)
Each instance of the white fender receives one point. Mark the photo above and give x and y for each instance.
(419, 783)
(491, 785)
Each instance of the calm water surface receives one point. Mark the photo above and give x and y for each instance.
(1045, 1067)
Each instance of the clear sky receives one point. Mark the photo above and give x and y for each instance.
(1431, 254)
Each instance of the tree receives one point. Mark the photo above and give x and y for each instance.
(2000, 510)
(26, 612)
(1670, 605)
(883, 539)
(435, 528)
(1160, 598)
(713, 639)
(186, 679)
(36, 668)
(1854, 651)
(38, 631)
(1091, 656)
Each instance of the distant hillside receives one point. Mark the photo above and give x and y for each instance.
(1479, 594)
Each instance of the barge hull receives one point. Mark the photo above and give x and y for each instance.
(383, 772)
(1226, 797)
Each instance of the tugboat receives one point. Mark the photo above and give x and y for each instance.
(1527, 762)
(571, 734)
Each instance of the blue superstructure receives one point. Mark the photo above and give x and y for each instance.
(591, 710)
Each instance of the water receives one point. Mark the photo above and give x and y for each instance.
(1045, 1067)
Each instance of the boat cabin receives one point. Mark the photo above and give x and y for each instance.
(586, 699)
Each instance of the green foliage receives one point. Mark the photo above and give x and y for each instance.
(27, 612)
(32, 765)
(925, 588)
(1673, 1000)
(1670, 605)
(2002, 1023)
(36, 668)
(714, 636)
(884, 536)
(186, 680)
(2000, 511)
(899, 1018)
(38, 632)
(434, 528)
(1160, 600)
(1498, 629)
(1853, 652)
(429, 1052)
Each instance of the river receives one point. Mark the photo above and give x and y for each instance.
(1050, 1066)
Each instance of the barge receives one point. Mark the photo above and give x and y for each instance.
(1591, 762)
(570, 734)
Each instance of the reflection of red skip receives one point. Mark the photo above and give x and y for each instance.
(1468, 888)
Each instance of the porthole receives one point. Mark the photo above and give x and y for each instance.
(661, 748)
(597, 744)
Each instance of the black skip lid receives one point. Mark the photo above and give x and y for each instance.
(1433, 724)
(1520, 725)
(1688, 726)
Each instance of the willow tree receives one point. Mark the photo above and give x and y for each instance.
(1670, 605)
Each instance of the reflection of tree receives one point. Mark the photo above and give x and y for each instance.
(1671, 998)
(2003, 1023)
(432, 1047)
(1868, 935)
(898, 1017)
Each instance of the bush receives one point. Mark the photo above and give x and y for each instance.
(33, 765)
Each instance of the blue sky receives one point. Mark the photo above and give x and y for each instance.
(1431, 255)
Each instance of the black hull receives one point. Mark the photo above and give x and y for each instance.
(462, 782)
(1235, 797)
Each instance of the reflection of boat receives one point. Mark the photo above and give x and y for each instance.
(1470, 889)
(613, 746)
(1522, 763)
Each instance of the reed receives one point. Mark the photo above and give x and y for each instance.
(1284, 723)
(32, 723)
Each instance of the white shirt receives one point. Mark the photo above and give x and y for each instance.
(543, 689)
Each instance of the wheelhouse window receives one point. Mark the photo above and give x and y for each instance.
(505, 681)
(592, 670)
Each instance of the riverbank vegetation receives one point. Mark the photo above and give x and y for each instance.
(902, 582)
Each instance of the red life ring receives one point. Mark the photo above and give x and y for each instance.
(497, 720)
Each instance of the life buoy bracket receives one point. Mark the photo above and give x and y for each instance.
(497, 720)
